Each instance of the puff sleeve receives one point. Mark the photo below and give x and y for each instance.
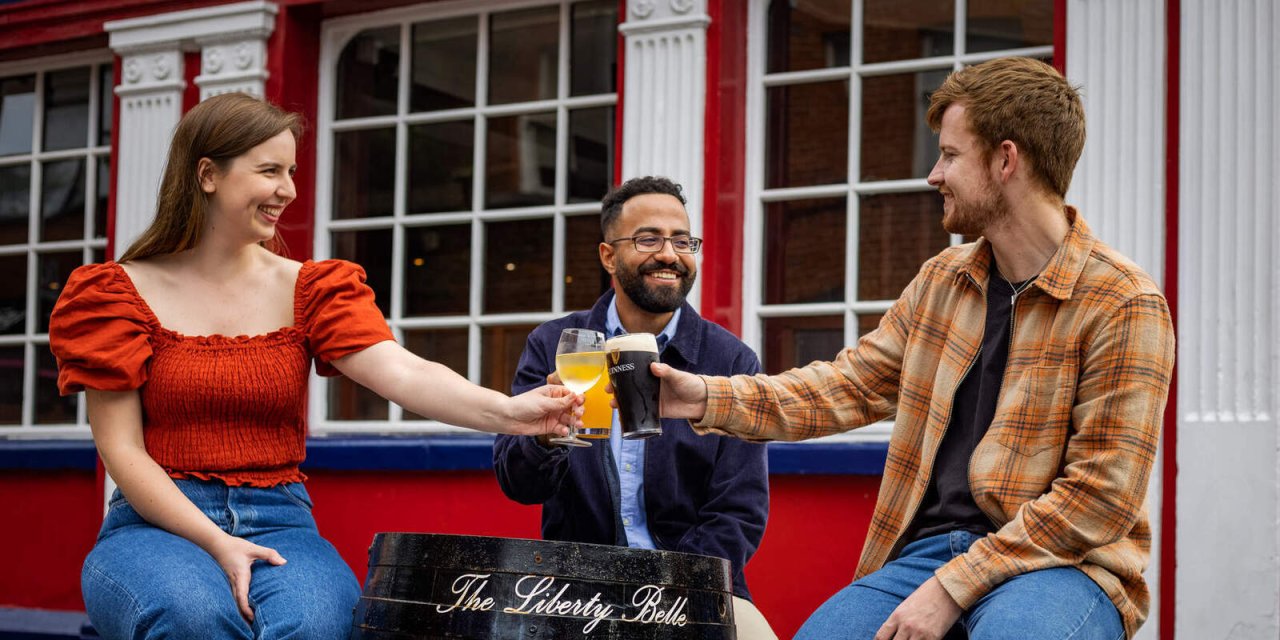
(100, 332)
(338, 312)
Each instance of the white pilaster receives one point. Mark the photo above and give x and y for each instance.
(664, 96)
(1229, 336)
(232, 39)
(1116, 53)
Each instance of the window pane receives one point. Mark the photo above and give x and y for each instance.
(371, 250)
(808, 34)
(106, 103)
(868, 322)
(13, 294)
(104, 190)
(364, 182)
(350, 401)
(66, 109)
(1008, 24)
(520, 166)
(593, 56)
(897, 143)
(51, 408)
(590, 153)
(368, 74)
(444, 65)
(500, 353)
(804, 252)
(53, 269)
(905, 29)
(11, 360)
(440, 166)
(446, 346)
(806, 134)
(15, 203)
(795, 342)
(896, 234)
(584, 279)
(437, 270)
(524, 55)
(517, 266)
(17, 114)
(62, 200)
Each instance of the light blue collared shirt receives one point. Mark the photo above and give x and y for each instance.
(628, 455)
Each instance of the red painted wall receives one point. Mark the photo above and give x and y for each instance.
(816, 528)
(50, 522)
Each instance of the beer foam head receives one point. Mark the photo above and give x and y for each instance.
(633, 342)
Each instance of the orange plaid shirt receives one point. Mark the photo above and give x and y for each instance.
(1064, 467)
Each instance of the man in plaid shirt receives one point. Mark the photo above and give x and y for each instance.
(1028, 373)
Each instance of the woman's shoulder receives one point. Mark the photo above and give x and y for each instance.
(96, 283)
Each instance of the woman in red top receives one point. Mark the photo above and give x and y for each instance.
(194, 351)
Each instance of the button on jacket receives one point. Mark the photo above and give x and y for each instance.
(703, 494)
(1063, 469)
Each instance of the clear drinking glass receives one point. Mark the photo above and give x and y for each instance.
(579, 363)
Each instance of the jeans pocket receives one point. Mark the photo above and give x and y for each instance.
(117, 499)
(296, 493)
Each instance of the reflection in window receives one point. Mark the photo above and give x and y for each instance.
(804, 251)
(13, 294)
(896, 234)
(440, 165)
(437, 270)
(808, 34)
(62, 200)
(66, 109)
(11, 366)
(593, 49)
(903, 29)
(444, 65)
(521, 156)
(500, 354)
(517, 266)
(368, 74)
(897, 142)
(364, 187)
(17, 114)
(524, 55)
(805, 139)
(795, 342)
(1008, 24)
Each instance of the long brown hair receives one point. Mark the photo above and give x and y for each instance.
(220, 129)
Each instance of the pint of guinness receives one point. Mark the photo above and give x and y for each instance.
(634, 385)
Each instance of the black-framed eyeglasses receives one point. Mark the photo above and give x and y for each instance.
(653, 244)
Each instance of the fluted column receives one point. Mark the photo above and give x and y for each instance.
(1228, 321)
(664, 95)
(1116, 53)
(232, 41)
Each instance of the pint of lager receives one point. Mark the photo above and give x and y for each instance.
(634, 385)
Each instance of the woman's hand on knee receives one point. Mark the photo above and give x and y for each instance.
(236, 557)
(926, 614)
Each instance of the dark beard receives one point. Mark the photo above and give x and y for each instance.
(659, 299)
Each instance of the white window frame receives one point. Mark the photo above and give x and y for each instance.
(335, 34)
(30, 339)
(754, 310)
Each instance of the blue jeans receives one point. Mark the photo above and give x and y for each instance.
(140, 581)
(1049, 604)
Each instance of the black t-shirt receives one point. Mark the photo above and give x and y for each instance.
(948, 503)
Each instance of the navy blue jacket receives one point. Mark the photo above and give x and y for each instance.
(703, 494)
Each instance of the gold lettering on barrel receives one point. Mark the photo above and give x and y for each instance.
(554, 605)
(468, 593)
(649, 599)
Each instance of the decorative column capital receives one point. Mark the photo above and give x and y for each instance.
(229, 66)
(663, 15)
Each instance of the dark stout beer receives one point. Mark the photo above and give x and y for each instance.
(634, 385)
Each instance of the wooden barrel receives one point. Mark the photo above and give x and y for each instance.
(424, 585)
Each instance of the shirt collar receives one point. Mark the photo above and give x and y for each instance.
(1059, 277)
(613, 325)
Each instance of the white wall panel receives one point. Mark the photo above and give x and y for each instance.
(1115, 54)
(1228, 566)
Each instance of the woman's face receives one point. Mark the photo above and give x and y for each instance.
(247, 199)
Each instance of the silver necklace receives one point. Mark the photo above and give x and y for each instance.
(1017, 291)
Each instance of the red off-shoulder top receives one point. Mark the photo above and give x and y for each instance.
(230, 408)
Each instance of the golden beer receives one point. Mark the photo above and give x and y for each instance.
(597, 415)
(580, 371)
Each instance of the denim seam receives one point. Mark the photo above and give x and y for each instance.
(1085, 618)
(119, 589)
(292, 498)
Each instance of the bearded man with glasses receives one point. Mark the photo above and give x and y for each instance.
(675, 492)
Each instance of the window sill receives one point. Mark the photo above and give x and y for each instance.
(447, 453)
